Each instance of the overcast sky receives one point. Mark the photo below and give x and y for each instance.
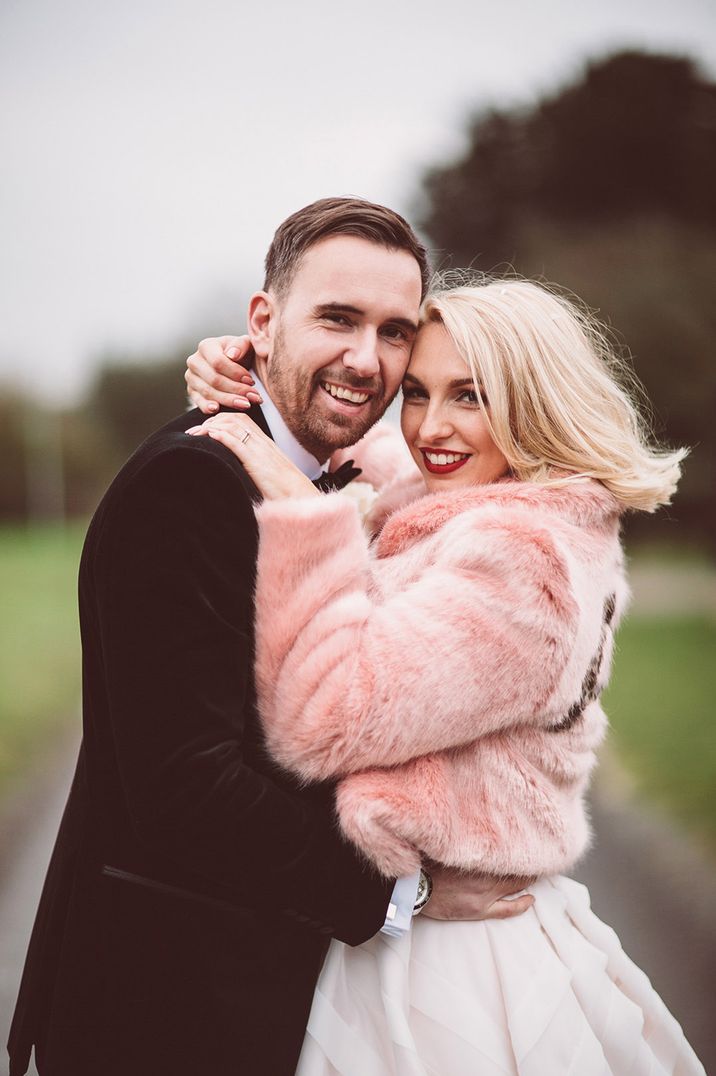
(149, 149)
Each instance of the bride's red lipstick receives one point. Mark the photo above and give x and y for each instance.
(442, 468)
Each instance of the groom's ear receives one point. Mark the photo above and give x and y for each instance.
(262, 323)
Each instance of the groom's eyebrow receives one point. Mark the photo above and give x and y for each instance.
(338, 308)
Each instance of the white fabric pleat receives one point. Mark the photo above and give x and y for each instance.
(550, 993)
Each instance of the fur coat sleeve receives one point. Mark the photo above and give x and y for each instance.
(436, 672)
(351, 679)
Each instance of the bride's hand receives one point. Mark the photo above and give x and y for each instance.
(271, 471)
(217, 374)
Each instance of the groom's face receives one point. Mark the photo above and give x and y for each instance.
(338, 342)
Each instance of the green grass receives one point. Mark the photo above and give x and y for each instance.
(661, 703)
(39, 639)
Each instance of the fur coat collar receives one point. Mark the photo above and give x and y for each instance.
(583, 502)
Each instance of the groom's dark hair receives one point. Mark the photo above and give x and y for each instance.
(338, 216)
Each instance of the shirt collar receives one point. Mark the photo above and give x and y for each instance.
(283, 437)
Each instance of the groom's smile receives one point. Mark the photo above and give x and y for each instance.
(339, 393)
(353, 397)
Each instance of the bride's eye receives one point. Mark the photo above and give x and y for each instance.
(411, 392)
(470, 396)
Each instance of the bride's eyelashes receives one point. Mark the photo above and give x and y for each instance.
(466, 396)
(410, 392)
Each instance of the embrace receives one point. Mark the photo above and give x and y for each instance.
(334, 761)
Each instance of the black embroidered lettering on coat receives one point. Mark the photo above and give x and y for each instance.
(589, 685)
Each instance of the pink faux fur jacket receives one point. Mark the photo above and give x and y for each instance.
(450, 673)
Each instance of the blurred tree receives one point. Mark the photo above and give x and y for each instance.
(636, 135)
(13, 454)
(90, 459)
(31, 462)
(53, 461)
(607, 187)
(126, 402)
(129, 400)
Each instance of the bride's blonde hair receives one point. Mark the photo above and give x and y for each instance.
(560, 398)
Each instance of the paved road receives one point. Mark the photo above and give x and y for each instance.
(644, 880)
(659, 894)
(28, 827)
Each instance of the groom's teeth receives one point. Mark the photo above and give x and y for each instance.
(439, 459)
(346, 394)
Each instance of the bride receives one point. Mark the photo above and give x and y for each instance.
(444, 660)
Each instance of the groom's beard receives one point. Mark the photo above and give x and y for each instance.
(297, 394)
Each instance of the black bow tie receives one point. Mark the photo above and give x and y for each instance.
(332, 480)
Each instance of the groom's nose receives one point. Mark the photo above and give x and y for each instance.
(362, 356)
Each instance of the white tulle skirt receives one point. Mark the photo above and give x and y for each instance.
(548, 993)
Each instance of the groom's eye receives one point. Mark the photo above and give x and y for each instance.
(395, 332)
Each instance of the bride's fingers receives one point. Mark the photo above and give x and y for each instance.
(234, 431)
(238, 445)
(198, 375)
(239, 425)
(229, 356)
(211, 406)
(205, 429)
(199, 394)
(219, 373)
(236, 348)
(222, 381)
(207, 407)
(509, 907)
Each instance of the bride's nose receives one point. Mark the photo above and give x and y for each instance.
(436, 425)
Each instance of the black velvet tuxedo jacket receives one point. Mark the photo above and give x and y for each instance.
(193, 888)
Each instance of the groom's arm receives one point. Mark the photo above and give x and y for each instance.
(175, 576)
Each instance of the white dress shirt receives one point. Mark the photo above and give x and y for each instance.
(400, 910)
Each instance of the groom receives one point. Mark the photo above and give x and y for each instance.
(194, 887)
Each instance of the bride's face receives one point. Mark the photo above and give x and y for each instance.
(443, 416)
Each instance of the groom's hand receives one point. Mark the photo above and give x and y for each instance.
(457, 895)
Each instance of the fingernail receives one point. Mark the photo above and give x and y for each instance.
(212, 407)
(248, 379)
(232, 353)
(194, 429)
(254, 396)
(241, 401)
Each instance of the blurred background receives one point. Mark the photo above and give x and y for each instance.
(149, 152)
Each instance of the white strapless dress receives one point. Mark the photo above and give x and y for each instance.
(549, 993)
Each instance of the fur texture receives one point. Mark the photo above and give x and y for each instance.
(382, 456)
(444, 674)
